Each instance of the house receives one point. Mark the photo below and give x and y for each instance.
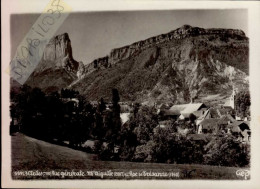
(208, 126)
(196, 109)
(124, 117)
(215, 113)
(183, 111)
(212, 113)
(225, 125)
(224, 122)
(175, 110)
(241, 130)
(241, 125)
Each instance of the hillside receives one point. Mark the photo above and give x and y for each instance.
(189, 63)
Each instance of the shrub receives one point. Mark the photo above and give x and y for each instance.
(143, 152)
(227, 151)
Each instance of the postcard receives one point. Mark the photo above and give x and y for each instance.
(127, 94)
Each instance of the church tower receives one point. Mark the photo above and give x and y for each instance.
(232, 98)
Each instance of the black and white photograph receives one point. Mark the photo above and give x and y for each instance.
(130, 95)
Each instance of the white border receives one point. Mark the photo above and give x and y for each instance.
(37, 6)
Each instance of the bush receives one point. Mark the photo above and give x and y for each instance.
(143, 153)
(227, 151)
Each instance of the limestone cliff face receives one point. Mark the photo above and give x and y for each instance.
(58, 47)
(100, 63)
(57, 69)
(181, 33)
(58, 54)
(186, 64)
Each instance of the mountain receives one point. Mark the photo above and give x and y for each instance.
(57, 69)
(186, 64)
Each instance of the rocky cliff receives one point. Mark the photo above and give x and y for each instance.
(58, 54)
(189, 63)
(181, 33)
(57, 69)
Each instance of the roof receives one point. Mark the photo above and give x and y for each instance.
(185, 108)
(238, 126)
(198, 113)
(211, 123)
(241, 124)
(176, 109)
(124, 117)
(190, 108)
(214, 113)
(204, 115)
(163, 106)
(224, 111)
(226, 119)
(247, 122)
(235, 129)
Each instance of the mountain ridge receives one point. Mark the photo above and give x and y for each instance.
(182, 65)
(180, 33)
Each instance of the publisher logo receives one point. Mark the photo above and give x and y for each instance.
(243, 173)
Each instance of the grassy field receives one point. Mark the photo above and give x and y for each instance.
(51, 161)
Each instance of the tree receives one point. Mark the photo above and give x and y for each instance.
(227, 151)
(136, 108)
(69, 93)
(143, 123)
(243, 103)
(115, 96)
(113, 121)
(144, 153)
(54, 116)
(99, 130)
(101, 106)
(116, 112)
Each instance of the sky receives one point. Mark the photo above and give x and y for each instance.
(95, 34)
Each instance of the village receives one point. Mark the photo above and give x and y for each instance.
(217, 120)
(203, 121)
